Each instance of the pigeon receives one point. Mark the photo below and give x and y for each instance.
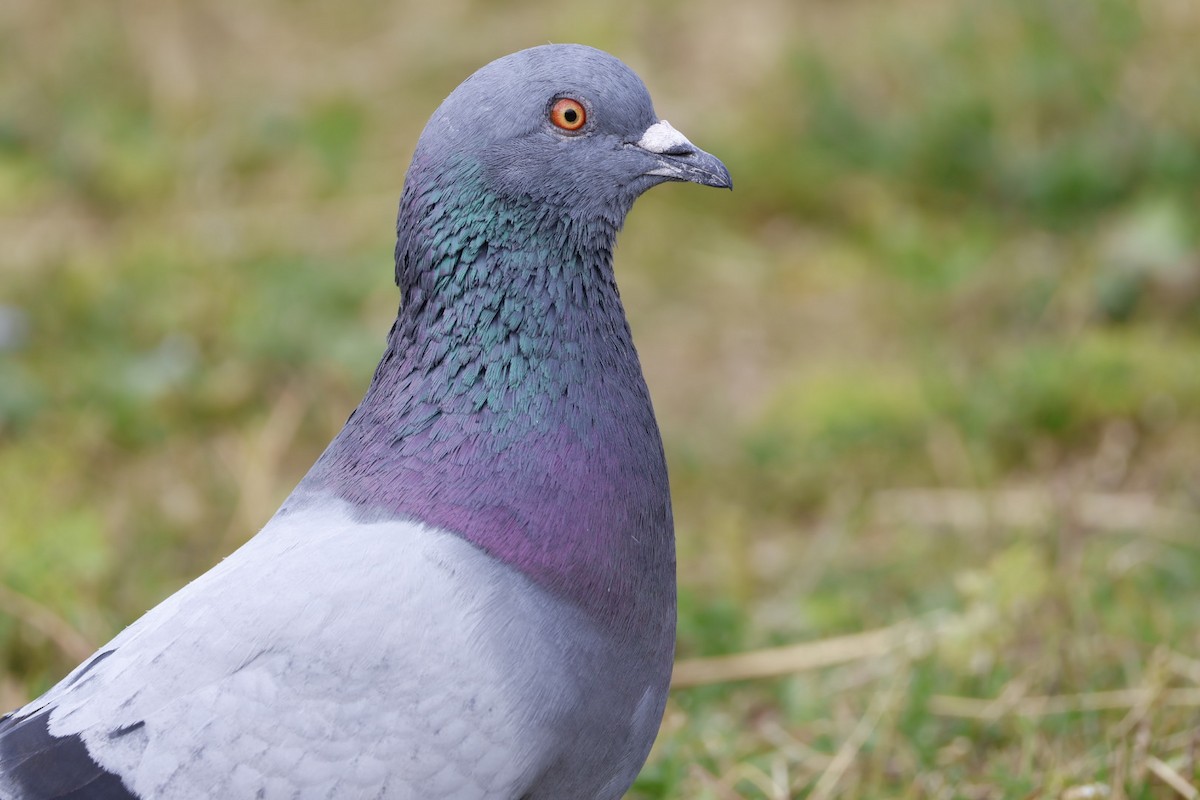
(471, 594)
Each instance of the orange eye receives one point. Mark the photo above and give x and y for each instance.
(568, 114)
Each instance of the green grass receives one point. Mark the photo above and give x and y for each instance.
(936, 361)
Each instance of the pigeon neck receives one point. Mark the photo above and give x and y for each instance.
(510, 406)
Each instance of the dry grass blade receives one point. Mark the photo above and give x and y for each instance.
(975, 708)
(1165, 773)
(776, 661)
(842, 761)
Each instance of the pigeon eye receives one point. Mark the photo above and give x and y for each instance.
(568, 114)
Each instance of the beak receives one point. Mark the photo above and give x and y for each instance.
(680, 160)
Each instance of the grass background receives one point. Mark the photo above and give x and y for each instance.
(933, 368)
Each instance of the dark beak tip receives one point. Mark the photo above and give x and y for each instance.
(686, 162)
(721, 177)
(708, 170)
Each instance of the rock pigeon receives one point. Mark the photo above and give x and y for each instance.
(472, 592)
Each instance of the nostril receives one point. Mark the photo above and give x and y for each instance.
(680, 150)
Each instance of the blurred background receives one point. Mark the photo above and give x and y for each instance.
(929, 378)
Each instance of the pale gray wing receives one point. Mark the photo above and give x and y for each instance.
(328, 657)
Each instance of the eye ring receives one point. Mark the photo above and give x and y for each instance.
(568, 114)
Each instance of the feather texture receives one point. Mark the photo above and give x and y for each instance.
(332, 657)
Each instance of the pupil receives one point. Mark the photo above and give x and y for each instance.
(569, 115)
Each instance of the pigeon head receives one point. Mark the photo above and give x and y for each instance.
(567, 127)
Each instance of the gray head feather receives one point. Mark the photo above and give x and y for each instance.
(499, 119)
